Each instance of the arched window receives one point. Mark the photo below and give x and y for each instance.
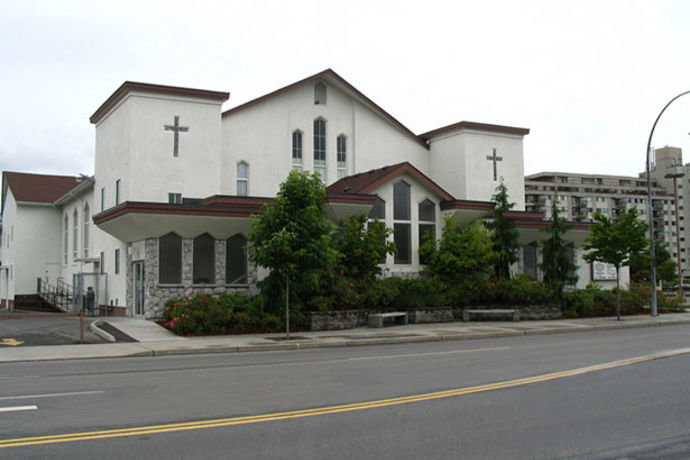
(242, 178)
(85, 232)
(427, 223)
(402, 223)
(320, 148)
(297, 150)
(169, 259)
(342, 156)
(378, 212)
(319, 93)
(66, 238)
(235, 260)
(204, 260)
(75, 233)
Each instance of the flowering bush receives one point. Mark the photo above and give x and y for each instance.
(208, 315)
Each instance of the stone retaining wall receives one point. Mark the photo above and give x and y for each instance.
(431, 315)
(337, 320)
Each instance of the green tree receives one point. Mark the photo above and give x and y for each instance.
(665, 266)
(464, 253)
(504, 235)
(557, 255)
(616, 242)
(362, 247)
(292, 239)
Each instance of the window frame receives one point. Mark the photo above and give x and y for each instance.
(245, 276)
(210, 266)
(320, 150)
(86, 214)
(341, 155)
(297, 149)
(244, 180)
(75, 234)
(178, 257)
(399, 223)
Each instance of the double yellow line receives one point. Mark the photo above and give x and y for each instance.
(223, 422)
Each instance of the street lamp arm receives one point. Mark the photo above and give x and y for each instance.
(652, 255)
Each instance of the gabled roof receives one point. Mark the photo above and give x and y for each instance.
(130, 86)
(367, 182)
(329, 74)
(463, 125)
(36, 188)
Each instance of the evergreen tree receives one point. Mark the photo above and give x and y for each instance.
(504, 235)
(557, 255)
(362, 247)
(616, 242)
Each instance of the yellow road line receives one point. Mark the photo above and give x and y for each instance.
(224, 422)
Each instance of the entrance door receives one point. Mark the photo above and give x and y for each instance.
(138, 284)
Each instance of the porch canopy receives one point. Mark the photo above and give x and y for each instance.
(220, 216)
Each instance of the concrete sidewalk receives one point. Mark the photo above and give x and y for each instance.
(153, 340)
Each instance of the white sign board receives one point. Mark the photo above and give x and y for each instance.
(601, 271)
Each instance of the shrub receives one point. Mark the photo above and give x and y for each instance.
(416, 293)
(207, 315)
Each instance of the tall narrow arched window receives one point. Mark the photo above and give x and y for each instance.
(319, 93)
(169, 259)
(402, 223)
(378, 212)
(342, 156)
(320, 148)
(297, 150)
(242, 178)
(235, 260)
(75, 234)
(66, 239)
(204, 260)
(85, 231)
(427, 223)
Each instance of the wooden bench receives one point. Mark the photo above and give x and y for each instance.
(397, 317)
(512, 314)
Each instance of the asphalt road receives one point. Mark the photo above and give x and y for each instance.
(30, 329)
(209, 403)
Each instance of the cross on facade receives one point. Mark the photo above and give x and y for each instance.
(176, 128)
(494, 158)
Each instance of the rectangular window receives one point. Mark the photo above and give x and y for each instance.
(402, 235)
(102, 199)
(117, 192)
(101, 264)
(117, 261)
(175, 198)
(242, 179)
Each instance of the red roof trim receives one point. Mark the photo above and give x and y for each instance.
(470, 205)
(331, 74)
(475, 126)
(368, 182)
(351, 198)
(129, 86)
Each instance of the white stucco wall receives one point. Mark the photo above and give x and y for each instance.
(34, 251)
(261, 135)
(459, 164)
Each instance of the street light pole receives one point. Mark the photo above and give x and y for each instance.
(652, 255)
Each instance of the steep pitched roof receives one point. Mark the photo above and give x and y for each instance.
(329, 74)
(368, 182)
(36, 188)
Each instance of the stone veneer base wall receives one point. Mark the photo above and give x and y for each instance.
(155, 294)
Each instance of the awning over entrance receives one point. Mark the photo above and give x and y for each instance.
(221, 217)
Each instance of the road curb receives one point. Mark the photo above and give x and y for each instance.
(94, 326)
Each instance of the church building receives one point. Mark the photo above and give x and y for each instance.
(176, 180)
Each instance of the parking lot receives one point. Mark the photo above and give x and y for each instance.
(25, 328)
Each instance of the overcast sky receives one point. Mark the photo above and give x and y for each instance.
(588, 78)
